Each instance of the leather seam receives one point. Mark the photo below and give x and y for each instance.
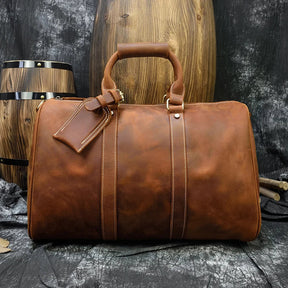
(185, 178)
(70, 118)
(115, 175)
(102, 186)
(32, 171)
(90, 136)
(255, 174)
(172, 180)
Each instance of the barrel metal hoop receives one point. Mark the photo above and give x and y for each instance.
(37, 64)
(33, 95)
(14, 162)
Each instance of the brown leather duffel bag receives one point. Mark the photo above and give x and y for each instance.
(100, 170)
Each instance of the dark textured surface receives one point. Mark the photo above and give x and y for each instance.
(252, 46)
(49, 30)
(260, 263)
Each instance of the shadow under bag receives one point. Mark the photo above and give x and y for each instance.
(104, 171)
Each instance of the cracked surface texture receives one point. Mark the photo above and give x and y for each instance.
(252, 45)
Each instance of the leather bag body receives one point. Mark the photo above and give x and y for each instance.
(103, 171)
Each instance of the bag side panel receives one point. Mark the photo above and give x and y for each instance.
(65, 185)
(223, 194)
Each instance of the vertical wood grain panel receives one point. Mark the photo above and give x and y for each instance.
(37, 80)
(188, 27)
(16, 126)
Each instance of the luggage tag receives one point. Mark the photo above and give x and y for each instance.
(88, 120)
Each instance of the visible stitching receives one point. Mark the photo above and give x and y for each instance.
(31, 188)
(71, 118)
(115, 177)
(117, 168)
(102, 186)
(102, 121)
(89, 138)
(185, 173)
(255, 174)
(172, 182)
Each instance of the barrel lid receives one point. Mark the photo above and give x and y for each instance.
(36, 64)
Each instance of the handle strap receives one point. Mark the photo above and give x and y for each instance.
(133, 50)
(101, 101)
(91, 123)
(176, 90)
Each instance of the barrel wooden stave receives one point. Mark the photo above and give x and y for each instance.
(16, 126)
(37, 80)
(188, 27)
(18, 116)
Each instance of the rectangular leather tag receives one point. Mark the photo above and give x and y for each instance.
(82, 127)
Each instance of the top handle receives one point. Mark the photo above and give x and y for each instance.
(143, 50)
(176, 91)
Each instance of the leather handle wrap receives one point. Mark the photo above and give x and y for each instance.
(143, 50)
(176, 90)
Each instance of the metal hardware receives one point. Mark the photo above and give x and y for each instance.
(121, 94)
(14, 162)
(33, 95)
(40, 104)
(177, 116)
(58, 97)
(112, 113)
(42, 97)
(37, 63)
(167, 105)
(164, 97)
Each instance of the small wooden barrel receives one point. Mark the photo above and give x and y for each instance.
(187, 26)
(24, 84)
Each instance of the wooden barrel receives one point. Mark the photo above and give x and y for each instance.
(187, 26)
(24, 84)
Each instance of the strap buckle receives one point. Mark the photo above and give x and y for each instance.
(167, 104)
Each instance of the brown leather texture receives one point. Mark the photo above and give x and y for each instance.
(104, 171)
(128, 50)
(213, 146)
(176, 90)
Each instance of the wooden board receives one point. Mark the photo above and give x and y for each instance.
(18, 116)
(16, 130)
(37, 80)
(189, 28)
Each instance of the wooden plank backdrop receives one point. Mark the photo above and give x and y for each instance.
(16, 126)
(18, 116)
(37, 80)
(188, 26)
